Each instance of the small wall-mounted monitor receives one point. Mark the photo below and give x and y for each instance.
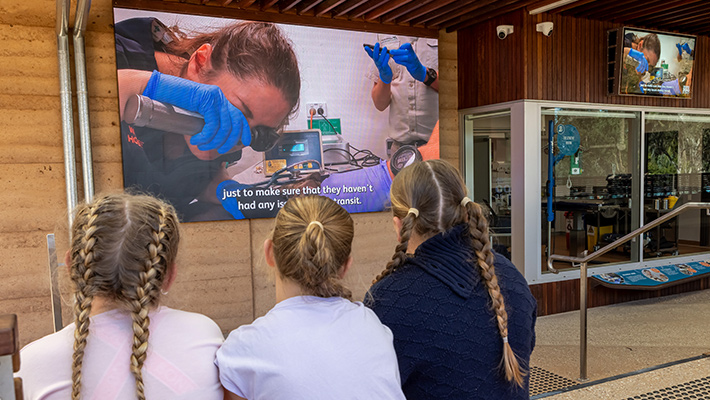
(649, 63)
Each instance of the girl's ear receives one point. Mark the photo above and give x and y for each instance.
(200, 61)
(397, 227)
(345, 267)
(269, 253)
(172, 274)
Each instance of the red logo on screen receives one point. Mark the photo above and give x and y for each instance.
(132, 138)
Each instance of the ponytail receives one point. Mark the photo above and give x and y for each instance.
(312, 243)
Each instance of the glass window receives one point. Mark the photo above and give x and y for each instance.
(591, 186)
(677, 171)
(487, 171)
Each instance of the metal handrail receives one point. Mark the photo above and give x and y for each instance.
(583, 261)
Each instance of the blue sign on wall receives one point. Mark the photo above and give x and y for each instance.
(567, 139)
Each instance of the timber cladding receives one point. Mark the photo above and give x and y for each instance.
(563, 296)
(221, 272)
(570, 65)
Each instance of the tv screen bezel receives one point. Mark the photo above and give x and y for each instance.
(620, 54)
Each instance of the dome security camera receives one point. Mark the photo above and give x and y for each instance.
(545, 28)
(504, 30)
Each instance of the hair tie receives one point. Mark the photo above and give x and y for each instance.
(465, 201)
(317, 223)
(413, 211)
(505, 339)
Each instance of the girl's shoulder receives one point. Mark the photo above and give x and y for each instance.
(186, 322)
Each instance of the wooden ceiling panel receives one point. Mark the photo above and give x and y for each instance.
(644, 12)
(676, 16)
(687, 16)
(304, 6)
(327, 6)
(621, 8)
(596, 6)
(437, 5)
(385, 8)
(346, 7)
(400, 11)
(436, 13)
(366, 8)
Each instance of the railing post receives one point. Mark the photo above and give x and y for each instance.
(583, 322)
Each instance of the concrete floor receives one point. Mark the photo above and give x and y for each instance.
(628, 337)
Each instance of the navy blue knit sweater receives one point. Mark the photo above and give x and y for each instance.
(445, 333)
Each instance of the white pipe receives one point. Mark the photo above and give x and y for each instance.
(82, 97)
(62, 29)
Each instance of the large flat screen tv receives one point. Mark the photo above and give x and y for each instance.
(655, 63)
(247, 79)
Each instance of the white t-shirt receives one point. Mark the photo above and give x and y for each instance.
(414, 107)
(179, 363)
(312, 348)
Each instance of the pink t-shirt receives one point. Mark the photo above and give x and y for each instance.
(179, 363)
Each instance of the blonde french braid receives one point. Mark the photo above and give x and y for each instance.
(83, 296)
(478, 228)
(146, 293)
(400, 252)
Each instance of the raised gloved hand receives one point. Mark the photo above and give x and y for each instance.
(406, 56)
(638, 56)
(225, 124)
(374, 181)
(381, 58)
(681, 48)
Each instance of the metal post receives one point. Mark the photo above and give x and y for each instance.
(62, 30)
(82, 96)
(54, 283)
(7, 385)
(583, 322)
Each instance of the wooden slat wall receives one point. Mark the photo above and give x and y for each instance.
(491, 70)
(221, 271)
(568, 66)
(559, 297)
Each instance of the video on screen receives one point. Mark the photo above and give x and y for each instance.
(227, 119)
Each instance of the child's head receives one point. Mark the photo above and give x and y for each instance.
(650, 46)
(434, 189)
(123, 249)
(312, 240)
(429, 198)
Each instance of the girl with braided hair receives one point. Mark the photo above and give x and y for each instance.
(462, 316)
(123, 344)
(316, 343)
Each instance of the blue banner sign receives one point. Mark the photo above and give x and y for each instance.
(651, 277)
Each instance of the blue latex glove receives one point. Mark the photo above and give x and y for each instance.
(227, 194)
(225, 125)
(638, 56)
(381, 58)
(406, 56)
(376, 181)
(684, 47)
(671, 88)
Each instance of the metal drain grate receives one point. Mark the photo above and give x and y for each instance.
(697, 389)
(543, 381)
